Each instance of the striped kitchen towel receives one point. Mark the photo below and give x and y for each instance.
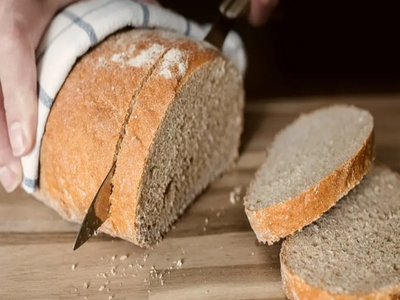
(81, 26)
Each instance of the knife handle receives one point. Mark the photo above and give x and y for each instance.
(233, 9)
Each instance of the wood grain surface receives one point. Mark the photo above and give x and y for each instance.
(210, 254)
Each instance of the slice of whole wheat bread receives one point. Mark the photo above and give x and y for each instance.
(353, 251)
(311, 164)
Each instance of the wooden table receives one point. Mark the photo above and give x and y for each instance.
(220, 256)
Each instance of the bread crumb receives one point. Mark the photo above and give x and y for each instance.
(101, 288)
(76, 290)
(234, 196)
(218, 214)
(108, 289)
(130, 266)
(120, 284)
(85, 297)
(123, 257)
(145, 257)
(107, 282)
(252, 253)
(134, 275)
(86, 285)
(113, 257)
(162, 282)
(376, 189)
(390, 186)
(204, 229)
(102, 275)
(101, 258)
(73, 266)
(113, 271)
(110, 297)
(179, 263)
(206, 221)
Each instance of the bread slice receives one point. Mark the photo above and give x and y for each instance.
(311, 164)
(167, 109)
(353, 251)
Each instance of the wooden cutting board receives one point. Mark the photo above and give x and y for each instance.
(211, 253)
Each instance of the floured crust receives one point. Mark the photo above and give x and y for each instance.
(272, 223)
(296, 288)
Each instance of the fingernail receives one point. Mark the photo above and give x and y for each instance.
(8, 179)
(17, 139)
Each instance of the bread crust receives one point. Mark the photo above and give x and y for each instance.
(272, 223)
(296, 288)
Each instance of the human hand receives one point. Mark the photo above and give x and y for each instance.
(260, 10)
(22, 24)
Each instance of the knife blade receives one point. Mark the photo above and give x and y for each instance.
(98, 210)
(229, 11)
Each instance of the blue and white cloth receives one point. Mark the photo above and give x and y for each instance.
(84, 24)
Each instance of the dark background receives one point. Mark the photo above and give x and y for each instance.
(312, 47)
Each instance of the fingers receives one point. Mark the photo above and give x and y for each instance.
(260, 10)
(18, 80)
(10, 166)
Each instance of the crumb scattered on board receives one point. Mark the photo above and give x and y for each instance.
(234, 196)
(179, 263)
(133, 266)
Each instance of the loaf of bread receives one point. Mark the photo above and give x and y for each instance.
(311, 164)
(353, 251)
(167, 109)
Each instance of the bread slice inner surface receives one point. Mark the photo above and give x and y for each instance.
(307, 151)
(196, 142)
(355, 247)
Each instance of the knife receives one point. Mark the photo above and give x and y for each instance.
(99, 209)
(97, 212)
(229, 11)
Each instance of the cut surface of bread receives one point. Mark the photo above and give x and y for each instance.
(310, 165)
(351, 252)
(167, 109)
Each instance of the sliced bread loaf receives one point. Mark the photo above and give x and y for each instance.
(311, 164)
(167, 109)
(353, 251)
